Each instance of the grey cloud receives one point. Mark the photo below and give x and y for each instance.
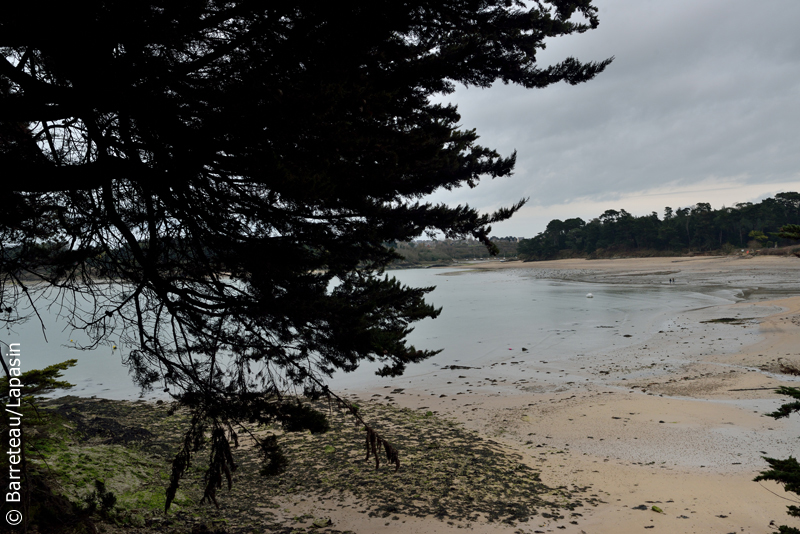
(698, 91)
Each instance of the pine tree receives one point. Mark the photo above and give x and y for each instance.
(786, 472)
(237, 167)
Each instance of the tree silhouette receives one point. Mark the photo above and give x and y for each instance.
(787, 471)
(699, 228)
(235, 169)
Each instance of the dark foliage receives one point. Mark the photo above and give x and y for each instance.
(700, 228)
(790, 231)
(99, 501)
(37, 431)
(274, 462)
(785, 410)
(786, 472)
(236, 168)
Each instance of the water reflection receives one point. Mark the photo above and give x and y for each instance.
(485, 314)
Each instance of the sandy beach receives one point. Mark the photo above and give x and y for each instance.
(675, 420)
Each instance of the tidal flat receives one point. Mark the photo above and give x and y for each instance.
(447, 473)
(648, 394)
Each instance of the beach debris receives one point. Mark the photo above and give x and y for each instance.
(321, 523)
(731, 320)
(788, 368)
(656, 509)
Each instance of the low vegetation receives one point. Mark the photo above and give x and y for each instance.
(112, 465)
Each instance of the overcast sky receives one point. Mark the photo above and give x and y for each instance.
(701, 104)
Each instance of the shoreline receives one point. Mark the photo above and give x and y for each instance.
(673, 417)
(688, 439)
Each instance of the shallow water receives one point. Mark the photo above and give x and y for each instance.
(488, 318)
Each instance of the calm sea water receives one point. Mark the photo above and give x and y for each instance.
(488, 318)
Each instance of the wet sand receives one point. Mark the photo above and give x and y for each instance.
(674, 420)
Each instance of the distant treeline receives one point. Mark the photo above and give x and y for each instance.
(698, 228)
(449, 250)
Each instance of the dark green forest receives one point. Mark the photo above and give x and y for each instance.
(693, 229)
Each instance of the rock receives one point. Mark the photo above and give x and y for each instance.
(321, 522)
